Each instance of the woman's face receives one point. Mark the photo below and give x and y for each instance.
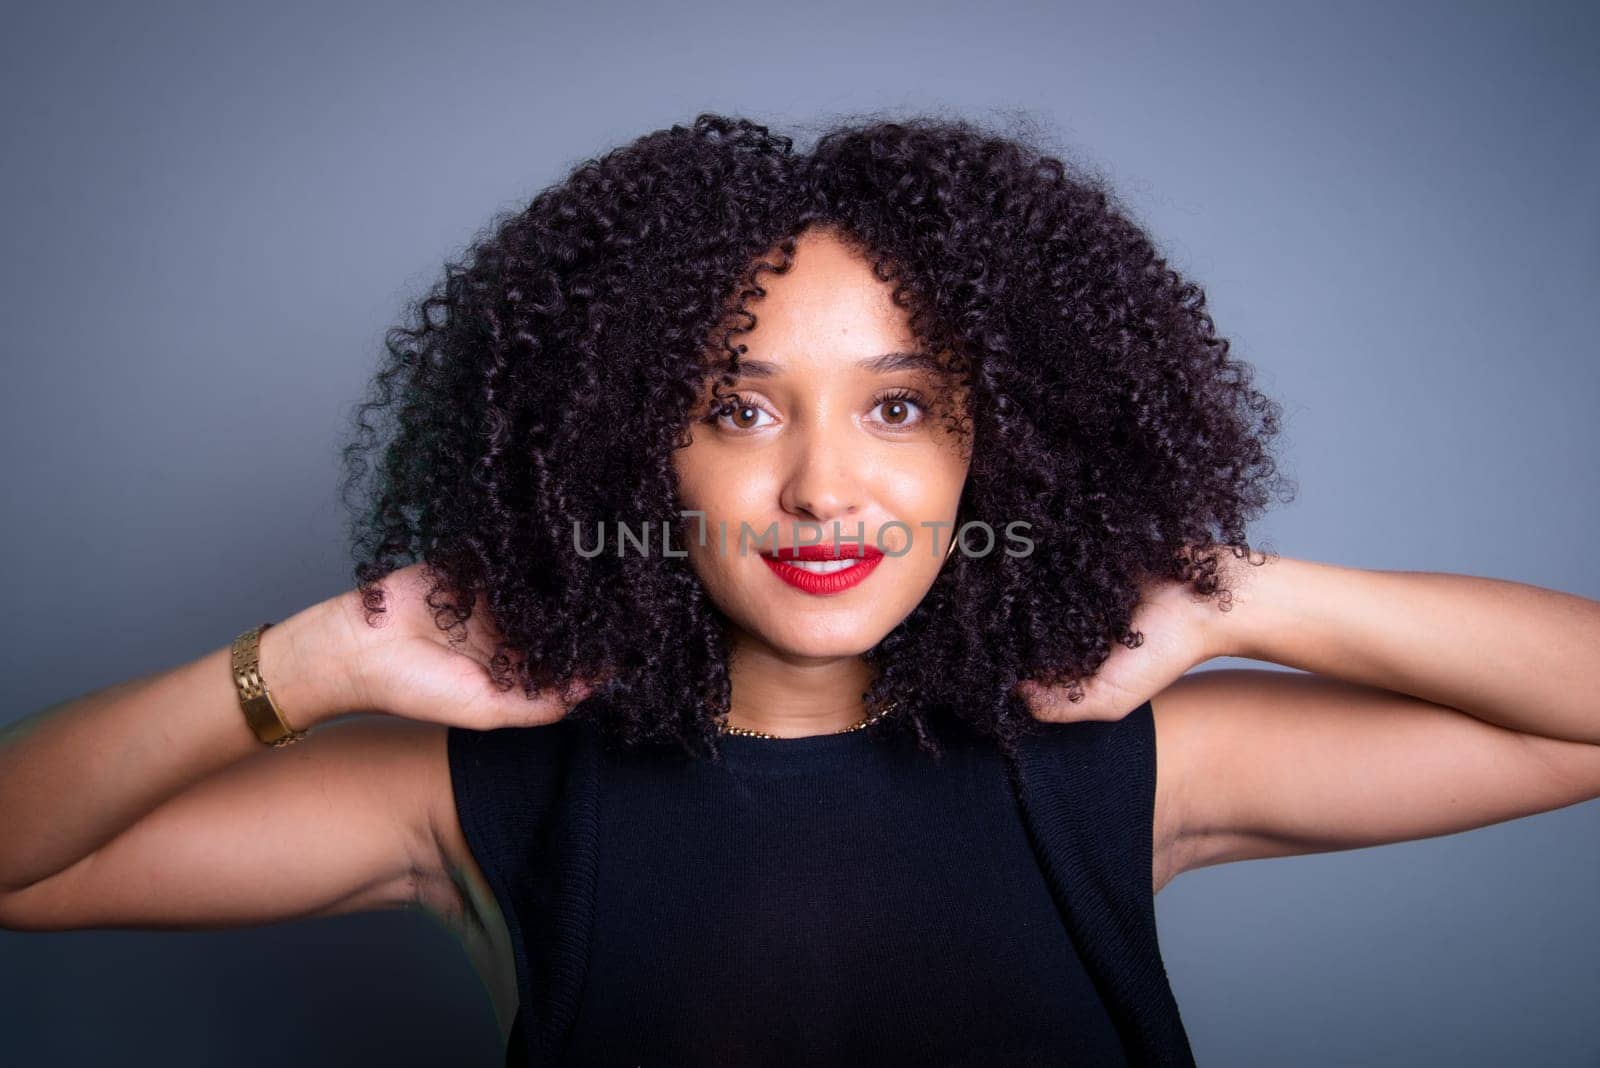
(820, 435)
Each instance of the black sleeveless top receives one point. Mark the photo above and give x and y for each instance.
(836, 900)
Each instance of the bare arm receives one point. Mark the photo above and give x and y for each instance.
(74, 778)
(338, 822)
(1518, 656)
(1427, 703)
(1256, 763)
(152, 804)
(75, 775)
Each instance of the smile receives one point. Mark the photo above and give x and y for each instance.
(820, 570)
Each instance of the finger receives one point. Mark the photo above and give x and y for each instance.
(1055, 704)
(492, 707)
(545, 705)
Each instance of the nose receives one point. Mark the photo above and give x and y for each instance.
(823, 482)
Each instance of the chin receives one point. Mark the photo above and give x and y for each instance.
(822, 643)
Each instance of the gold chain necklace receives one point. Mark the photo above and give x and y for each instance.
(747, 732)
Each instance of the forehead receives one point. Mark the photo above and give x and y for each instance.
(828, 307)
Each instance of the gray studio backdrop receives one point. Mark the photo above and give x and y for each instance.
(213, 212)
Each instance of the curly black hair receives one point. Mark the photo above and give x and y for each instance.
(544, 380)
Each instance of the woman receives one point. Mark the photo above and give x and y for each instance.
(812, 780)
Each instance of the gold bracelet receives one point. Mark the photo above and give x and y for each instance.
(260, 710)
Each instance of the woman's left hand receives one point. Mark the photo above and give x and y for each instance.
(1174, 621)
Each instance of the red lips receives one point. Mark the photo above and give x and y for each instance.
(866, 556)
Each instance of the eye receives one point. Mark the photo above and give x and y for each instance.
(904, 408)
(743, 414)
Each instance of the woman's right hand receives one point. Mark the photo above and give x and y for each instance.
(405, 665)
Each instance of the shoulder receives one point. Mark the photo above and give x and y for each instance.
(1115, 778)
(1104, 768)
(491, 789)
(483, 790)
(1117, 743)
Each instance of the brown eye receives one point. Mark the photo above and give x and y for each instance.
(902, 410)
(737, 414)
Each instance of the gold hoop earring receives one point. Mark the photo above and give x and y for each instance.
(953, 532)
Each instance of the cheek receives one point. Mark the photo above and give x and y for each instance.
(725, 495)
(694, 479)
(928, 491)
(720, 495)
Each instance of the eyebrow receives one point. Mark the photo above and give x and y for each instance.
(888, 363)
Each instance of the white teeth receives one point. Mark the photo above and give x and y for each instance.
(822, 567)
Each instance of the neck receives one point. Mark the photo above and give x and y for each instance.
(794, 697)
